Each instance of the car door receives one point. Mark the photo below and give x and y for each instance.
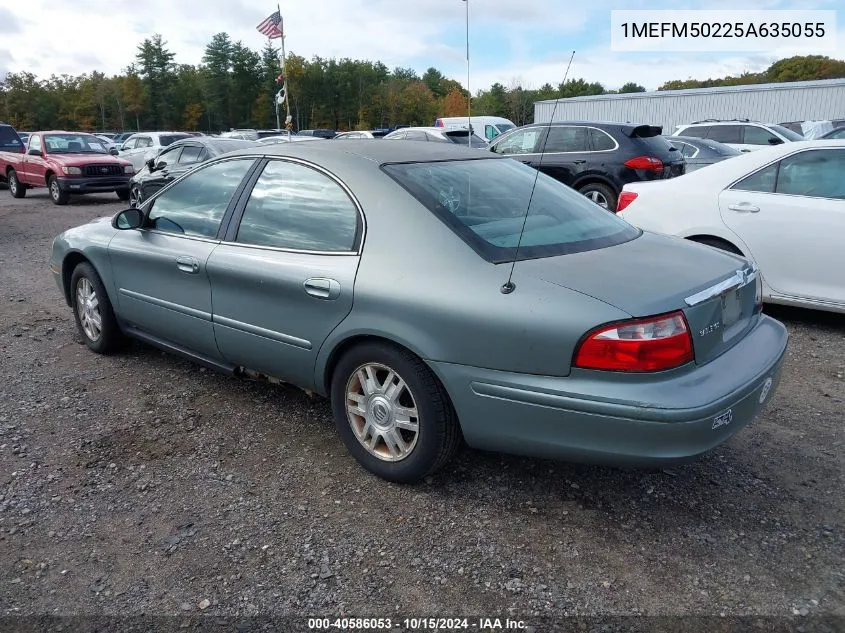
(283, 278)
(127, 150)
(163, 173)
(35, 168)
(791, 215)
(159, 271)
(566, 155)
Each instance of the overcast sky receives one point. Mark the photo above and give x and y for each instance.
(526, 41)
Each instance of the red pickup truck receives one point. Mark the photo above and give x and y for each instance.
(66, 163)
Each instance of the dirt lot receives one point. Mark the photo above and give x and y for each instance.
(141, 484)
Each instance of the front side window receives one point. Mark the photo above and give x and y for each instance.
(299, 208)
(760, 136)
(195, 205)
(836, 134)
(130, 143)
(143, 141)
(484, 201)
(170, 157)
(521, 142)
(566, 139)
(762, 181)
(813, 173)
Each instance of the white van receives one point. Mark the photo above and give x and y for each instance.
(487, 127)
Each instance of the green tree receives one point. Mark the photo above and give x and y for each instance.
(155, 67)
(631, 86)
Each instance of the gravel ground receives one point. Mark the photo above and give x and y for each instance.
(142, 484)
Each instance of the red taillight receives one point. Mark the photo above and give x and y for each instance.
(651, 344)
(645, 162)
(625, 198)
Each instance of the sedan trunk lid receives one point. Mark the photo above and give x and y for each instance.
(656, 274)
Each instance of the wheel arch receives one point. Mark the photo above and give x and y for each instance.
(698, 237)
(47, 175)
(589, 179)
(70, 261)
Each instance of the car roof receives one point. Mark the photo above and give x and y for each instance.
(379, 153)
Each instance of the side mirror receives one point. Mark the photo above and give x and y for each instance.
(35, 152)
(151, 164)
(775, 141)
(113, 151)
(128, 219)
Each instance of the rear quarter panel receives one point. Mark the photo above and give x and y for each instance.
(421, 286)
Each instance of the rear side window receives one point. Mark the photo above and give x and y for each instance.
(485, 201)
(9, 140)
(190, 154)
(762, 181)
(719, 148)
(760, 136)
(697, 131)
(299, 208)
(726, 133)
(601, 141)
(566, 139)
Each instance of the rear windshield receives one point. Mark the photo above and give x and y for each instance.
(167, 139)
(9, 141)
(656, 146)
(484, 201)
(460, 138)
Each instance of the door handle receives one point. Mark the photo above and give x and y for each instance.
(579, 162)
(322, 288)
(744, 207)
(188, 265)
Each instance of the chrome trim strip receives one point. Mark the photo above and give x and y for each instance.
(739, 279)
(262, 332)
(161, 303)
(291, 250)
(195, 238)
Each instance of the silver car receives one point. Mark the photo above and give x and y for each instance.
(414, 286)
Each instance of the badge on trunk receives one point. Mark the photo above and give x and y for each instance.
(723, 419)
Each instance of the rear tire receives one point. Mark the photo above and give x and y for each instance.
(407, 427)
(93, 311)
(16, 188)
(601, 194)
(715, 242)
(57, 195)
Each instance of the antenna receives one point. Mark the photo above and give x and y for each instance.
(508, 287)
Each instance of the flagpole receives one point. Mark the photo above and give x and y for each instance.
(284, 73)
(469, 92)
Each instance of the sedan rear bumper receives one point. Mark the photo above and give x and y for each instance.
(620, 420)
(95, 185)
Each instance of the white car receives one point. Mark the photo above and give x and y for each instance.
(438, 135)
(741, 134)
(141, 147)
(782, 207)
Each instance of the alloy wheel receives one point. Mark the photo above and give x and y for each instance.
(598, 198)
(382, 412)
(88, 308)
(134, 197)
(54, 190)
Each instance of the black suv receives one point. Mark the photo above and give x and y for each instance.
(597, 159)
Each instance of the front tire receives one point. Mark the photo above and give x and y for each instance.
(392, 413)
(57, 195)
(16, 188)
(93, 311)
(135, 198)
(601, 194)
(123, 194)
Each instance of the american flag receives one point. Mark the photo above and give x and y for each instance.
(272, 26)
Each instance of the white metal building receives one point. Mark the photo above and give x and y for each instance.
(769, 103)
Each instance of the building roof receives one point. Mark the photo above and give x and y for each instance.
(789, 85)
